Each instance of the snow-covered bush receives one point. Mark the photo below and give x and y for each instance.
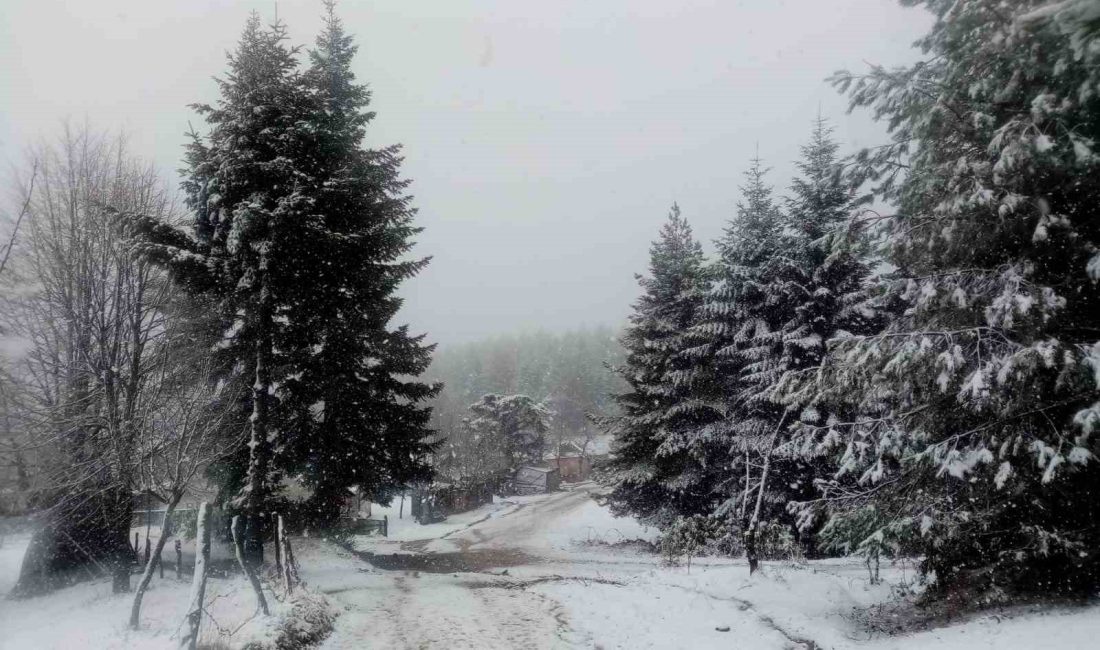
(868, 533)
(309, 620)
(685, 538)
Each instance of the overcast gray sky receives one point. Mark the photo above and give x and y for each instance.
(545, 140)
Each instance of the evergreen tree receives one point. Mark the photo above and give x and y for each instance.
(248, 248)
(977, 434)
(822, 274)
(741, 326)
(784, 284)
(502, 434)
(643, 482)
(824, 269)
(359, 412)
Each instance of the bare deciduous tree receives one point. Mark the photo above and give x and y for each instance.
(28, 193)
(181, 436)
(88, 316)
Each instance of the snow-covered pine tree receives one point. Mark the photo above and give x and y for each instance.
(751, 302)
(245, 251)
(516, 426)
(360, 413)
(825, 267)
(643, 482)
(977, 437)
(821, 274)
(705, 374)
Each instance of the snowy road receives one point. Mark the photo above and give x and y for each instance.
(418, 606)
(537, 572)
(522, 577)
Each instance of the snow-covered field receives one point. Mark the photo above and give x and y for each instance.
(535, 572)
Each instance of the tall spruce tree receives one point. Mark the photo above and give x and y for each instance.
(644, 482)
(784, 284)
(749, 309)
(977, 437)
(824, 268)
(709, 369)
(824, 272)
(516, 426)
(358, 410)
(248, 250)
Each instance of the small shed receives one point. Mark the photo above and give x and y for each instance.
(149, 508)
(572, 462)
(537, 480)
(441, 499)
(572, 468)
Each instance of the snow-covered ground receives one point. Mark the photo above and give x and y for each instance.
(543, 571)
(404, 528)
(88, 615)
(530, 572)
(11, 558)
(586, 523)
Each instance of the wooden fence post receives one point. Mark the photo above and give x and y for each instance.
(190, 639)
(292, 564)
(179, 560)
(282, 544)
(385, 525)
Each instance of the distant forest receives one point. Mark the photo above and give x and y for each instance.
(567, 372)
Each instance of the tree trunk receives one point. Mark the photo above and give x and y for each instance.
(258, 444)
(750, 532)
(290, 562)
(118, 526)
(190, 639)
(278, 543)
(748, 490)
(73, 546)
(248, 572)
(151, 561)
(22, 476)
(120, 574)
(754, 524)
(282, 546)
(873, 573)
